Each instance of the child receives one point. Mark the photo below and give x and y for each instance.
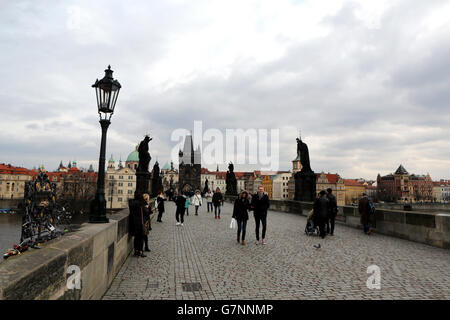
(187, 204)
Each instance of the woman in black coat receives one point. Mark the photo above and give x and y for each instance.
(160, 201)
(240, 213)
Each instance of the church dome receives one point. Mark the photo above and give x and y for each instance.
(133, 156)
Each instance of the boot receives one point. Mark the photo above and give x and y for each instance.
(243, 242)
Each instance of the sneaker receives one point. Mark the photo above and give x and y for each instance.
(178, 223)
(264, 241)
(257, 242)
(181, 224)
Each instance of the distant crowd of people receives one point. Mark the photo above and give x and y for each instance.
(322, 216)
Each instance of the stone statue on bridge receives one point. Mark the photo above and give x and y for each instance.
(231, 188)
(305, 180)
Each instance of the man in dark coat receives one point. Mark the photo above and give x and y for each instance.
(260, 204)
(321, 212)
(364, 211)
(180, 201)
(333, 211)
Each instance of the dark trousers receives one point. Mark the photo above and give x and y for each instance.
(321, 223)
(331, 222)
(196, 209)
(187, 211)
(145, 238)
(215, 210)
(209, 204)
(241, 226)
(138, 242)
(261, 218)
(179, 215)
(160, 214)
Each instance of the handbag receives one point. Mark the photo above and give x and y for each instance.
(233, 223)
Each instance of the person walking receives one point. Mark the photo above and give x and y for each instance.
(240, 213)
(217, 200)
(333, 211)
(364, 211)
(321, 212)
(146, 213)
(180, 202)
(208, 196)
(160, 205)
(187, 203)
(197, 201)
(260, 204)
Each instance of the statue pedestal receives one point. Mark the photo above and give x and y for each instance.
(142, 184)
(305, 186)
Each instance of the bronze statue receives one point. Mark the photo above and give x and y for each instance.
(144, 155)
(303, 153)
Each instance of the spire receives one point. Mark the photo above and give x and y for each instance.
(217, 168)
(60, 165)
(91, 168)
(69, 165)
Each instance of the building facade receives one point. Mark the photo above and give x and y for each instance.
(333, 181)
(404, 187)
(12, 181)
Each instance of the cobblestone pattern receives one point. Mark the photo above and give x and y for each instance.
(205, 250)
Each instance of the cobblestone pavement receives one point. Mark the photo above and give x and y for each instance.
(205, 251)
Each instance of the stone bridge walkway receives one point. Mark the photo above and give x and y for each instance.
(202, 260)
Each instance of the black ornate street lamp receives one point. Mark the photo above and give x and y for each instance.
(107, 91)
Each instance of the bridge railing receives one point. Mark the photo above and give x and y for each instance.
(429, 228)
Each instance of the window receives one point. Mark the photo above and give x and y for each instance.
(130, 191)
(110, 199)
(119, 199)
(130, 177)
(120, 184)
(111, 177)
(121, 177)
(120, 191)
(130, 184)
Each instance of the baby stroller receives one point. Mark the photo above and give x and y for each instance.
(311, 228)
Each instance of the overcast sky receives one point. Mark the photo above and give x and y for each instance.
(367, 82)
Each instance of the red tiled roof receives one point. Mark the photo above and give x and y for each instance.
(353, 182)
(331, 177)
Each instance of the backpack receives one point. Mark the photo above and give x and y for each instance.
(371, 208)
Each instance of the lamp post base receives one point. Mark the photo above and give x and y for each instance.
(98, 212)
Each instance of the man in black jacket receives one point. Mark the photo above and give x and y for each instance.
(321, 212)
(180, 201)
(260, 203)
(333, 211)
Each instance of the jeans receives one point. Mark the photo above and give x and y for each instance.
(209, 204)
(215, 210)
(196, 209)
(332, 222)
(187, 211)
(179, 215)
(366, 228)
(241, 225)
(261, 217)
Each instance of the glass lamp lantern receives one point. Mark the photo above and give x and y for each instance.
(107, 91)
